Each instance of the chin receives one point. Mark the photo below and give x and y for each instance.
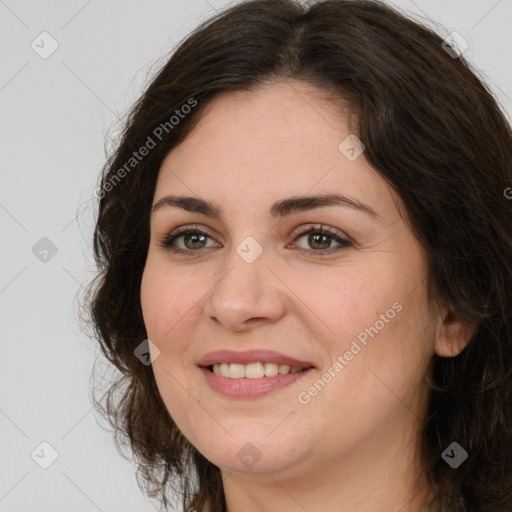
(246, 453)
(250, 460)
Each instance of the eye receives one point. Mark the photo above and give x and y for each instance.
(193, 239)
(321, 238)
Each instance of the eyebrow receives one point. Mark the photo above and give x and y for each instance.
(280, 208)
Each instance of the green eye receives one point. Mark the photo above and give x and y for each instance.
(195, 240)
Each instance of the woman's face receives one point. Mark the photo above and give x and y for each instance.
(348, 304)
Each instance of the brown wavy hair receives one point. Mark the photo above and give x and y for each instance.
(436, 134)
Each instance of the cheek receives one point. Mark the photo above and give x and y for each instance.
(171, 304)
(351, 299)
(377, 319)
(167, 304)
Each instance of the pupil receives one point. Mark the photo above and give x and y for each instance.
(193, 237)
(313, 240)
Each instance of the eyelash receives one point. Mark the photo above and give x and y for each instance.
(169, 239)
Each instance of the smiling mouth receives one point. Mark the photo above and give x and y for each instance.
(253, 370)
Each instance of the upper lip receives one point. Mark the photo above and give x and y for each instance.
(251, 356)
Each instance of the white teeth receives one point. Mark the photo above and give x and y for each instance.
(271, 369)
(253, 370)
(236, 371)
(224, 369)
(284, 369)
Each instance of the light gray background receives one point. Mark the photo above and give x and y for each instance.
(54, 115)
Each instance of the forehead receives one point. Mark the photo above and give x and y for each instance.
(279, 140)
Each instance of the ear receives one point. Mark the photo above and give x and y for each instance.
(453, 334)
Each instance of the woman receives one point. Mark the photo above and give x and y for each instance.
(304, 240)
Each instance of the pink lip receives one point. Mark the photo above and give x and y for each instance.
(250, 388)
(251, 356)
(245, 387)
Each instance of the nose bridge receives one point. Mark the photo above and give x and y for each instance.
(246, 268)
(247, 288)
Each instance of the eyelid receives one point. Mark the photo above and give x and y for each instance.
(320, 227)
(339, 237)
(186, 228)
(336, 235)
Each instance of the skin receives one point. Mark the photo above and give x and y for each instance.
(352, 447)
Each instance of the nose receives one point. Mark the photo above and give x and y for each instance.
(247, 294)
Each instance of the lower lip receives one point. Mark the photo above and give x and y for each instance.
(250, 388)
